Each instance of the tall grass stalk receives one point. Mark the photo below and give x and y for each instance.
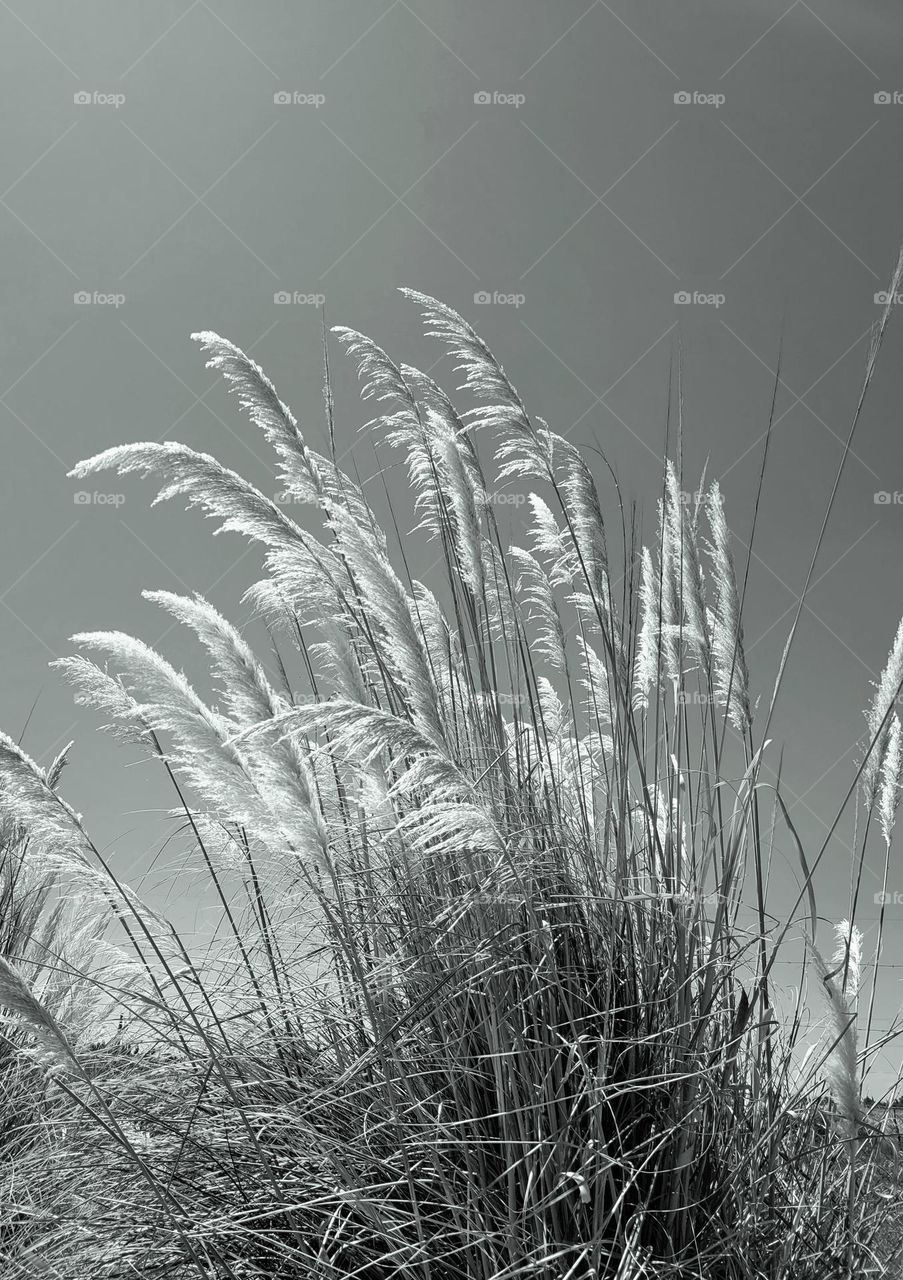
(492, 997)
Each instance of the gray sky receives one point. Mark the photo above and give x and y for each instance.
(183, 188)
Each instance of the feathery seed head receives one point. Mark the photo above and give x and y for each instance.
(877, 718)
(729, 669)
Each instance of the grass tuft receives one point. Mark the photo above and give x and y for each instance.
(493, 990)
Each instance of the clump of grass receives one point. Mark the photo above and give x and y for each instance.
(492, 998)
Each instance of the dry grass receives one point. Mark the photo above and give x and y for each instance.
(494, 995)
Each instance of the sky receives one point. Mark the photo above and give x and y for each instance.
(566, 175)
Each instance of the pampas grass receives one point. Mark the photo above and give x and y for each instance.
(491, 997)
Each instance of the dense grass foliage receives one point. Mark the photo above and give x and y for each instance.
(494, 992)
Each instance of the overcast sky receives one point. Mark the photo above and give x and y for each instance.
(149, 165)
